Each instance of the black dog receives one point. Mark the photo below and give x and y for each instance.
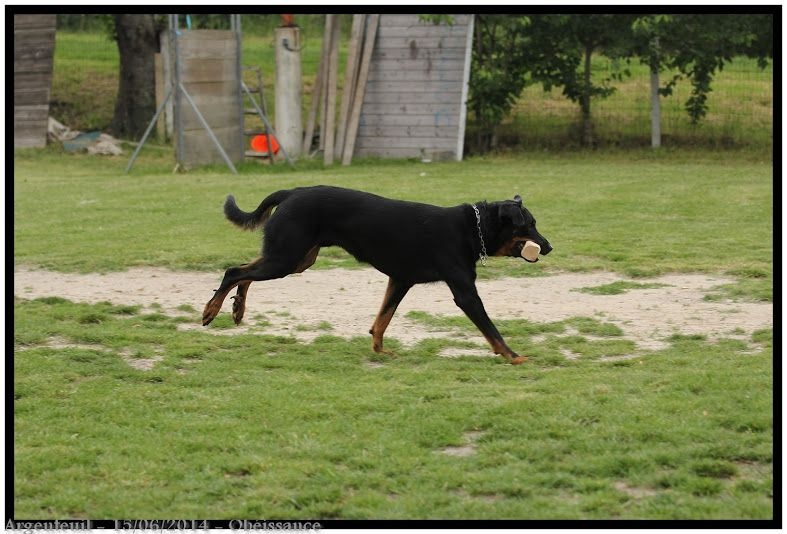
(410, 242)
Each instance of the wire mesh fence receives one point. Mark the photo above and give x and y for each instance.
(740, 111)
(84, 79)
(86, 73)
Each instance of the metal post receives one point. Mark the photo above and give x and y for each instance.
(176, 78)
(655, 110)
(147, 132)
(655, 102)
(235, 19)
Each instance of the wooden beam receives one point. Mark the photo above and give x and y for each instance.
(330, 108)
(325, 60)
(460, 137)
(363, 73)
(316, 94)
(350, 80)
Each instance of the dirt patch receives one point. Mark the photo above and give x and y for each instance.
(61, 343)
(348, 301)
(458, 352)
(463, 451)
(142, 364)
(634, 491)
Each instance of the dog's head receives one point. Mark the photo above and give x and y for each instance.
(516, 226)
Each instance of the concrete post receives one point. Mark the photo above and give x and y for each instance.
(655, 110)
(655, 102)
(289, 125)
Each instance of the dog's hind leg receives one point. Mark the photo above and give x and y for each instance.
(394, 294)
(308, 260)
(261, 269)
(239, 301)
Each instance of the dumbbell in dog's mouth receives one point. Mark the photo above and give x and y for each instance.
(529, 250)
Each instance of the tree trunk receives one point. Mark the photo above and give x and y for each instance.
(481, 128)
(136, 99)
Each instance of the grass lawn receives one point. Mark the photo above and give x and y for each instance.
(263, 426)
(255, 426)
(638, 213)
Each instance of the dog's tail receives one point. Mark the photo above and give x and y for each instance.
(255, 219)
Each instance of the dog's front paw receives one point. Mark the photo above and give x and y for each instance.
(210, 312)
(518, 360)
(378, 349)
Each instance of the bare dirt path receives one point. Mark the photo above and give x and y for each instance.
(303, 305)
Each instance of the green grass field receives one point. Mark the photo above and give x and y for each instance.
(692, 211)
(263, 426)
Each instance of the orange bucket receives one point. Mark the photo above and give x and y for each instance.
(259, 143)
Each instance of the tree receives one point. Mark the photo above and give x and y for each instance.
(697, 46)
(562, 50)
(497, 72)
(136, 101)
(512, 51)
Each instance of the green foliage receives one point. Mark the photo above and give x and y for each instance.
(94, 23)
(698, 46)
(497, 72)
(510, 52)
(438, 19)
(563, 46)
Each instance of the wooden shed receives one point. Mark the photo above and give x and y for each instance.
(416, 93)
(34, 47)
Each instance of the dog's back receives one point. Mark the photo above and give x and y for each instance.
(395, 236)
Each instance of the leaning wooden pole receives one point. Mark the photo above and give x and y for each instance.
(315, 105)
(317, 91)
(325, 58)
(330, 108)
(363, 74)
(350, 80)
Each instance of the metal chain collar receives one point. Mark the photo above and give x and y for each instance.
(482, 255)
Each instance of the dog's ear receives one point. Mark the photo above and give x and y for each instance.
(512, 211)
(518, 200)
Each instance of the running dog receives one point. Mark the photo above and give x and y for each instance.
(412, 243)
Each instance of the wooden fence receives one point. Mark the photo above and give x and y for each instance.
(34, 46)
(416, 92)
